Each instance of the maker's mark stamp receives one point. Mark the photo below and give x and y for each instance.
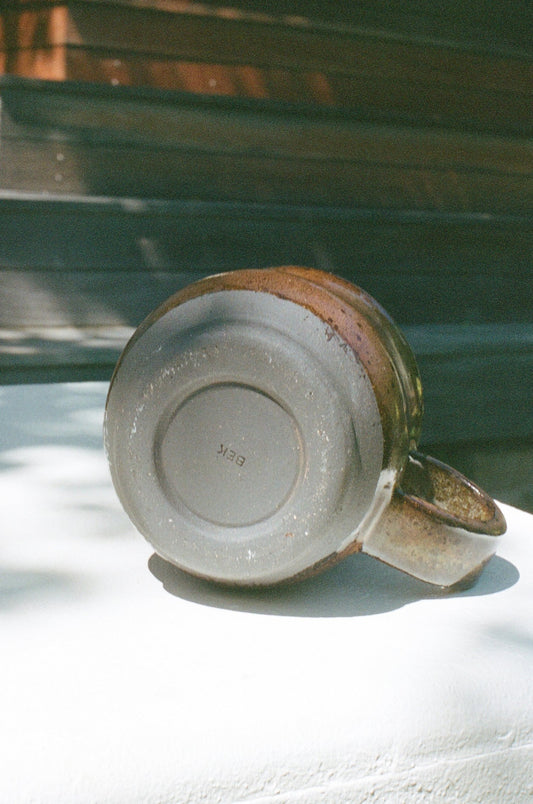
(231, 455)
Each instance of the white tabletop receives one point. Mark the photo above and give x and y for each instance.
(122, 680)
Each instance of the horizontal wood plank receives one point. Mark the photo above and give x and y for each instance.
(260, 41)
(123, 143)
(371, 95)
(281, 58)
(167, 174)
(481, 24)
(69, 113)
(234, 41)
(105, 234)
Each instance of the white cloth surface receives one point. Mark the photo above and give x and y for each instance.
(124, 681)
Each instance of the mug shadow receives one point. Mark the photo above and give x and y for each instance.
(358, 586)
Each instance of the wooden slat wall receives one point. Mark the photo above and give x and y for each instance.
(123, 142)
(388, 142)
(94, 269)
(415, 264)
(206, 50)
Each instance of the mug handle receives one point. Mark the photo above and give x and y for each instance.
(439, 526)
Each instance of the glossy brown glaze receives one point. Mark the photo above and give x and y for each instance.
(386, 356)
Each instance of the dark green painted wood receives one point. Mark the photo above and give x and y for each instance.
(103, 262)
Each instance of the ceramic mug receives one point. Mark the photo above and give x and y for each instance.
(262, 424)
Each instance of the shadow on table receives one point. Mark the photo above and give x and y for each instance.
(59, 415)
(358, 586)
(21, 587)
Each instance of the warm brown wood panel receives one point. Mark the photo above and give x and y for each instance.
(277, 58)
(33, 40)
(369, 95)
